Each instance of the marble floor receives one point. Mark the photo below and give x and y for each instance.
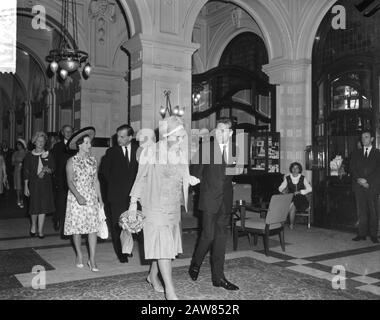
(314, 252)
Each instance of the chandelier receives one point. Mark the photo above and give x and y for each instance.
(176, 111)
(64, 59)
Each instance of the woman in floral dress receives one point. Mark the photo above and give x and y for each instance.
(39, 166)
(161, 187)
(84, 197)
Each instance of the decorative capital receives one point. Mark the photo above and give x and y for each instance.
(102, 9)
(236, 15)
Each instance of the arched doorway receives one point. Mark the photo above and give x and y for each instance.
(346, 78)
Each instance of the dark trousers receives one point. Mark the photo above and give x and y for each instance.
(367, 211)
(214, 235)
(117, 208)
(60, 205)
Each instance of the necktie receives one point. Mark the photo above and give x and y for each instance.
(366, 153)
(224, 156)
(126, 155)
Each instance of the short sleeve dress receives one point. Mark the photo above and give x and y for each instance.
(17, 159)
(41, 200)
(83, 219)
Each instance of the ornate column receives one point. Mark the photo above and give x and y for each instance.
(51, 111)
(294, 113)
(28, 121)
(12, 127)
(158, 65)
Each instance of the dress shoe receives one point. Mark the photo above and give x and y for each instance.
(374, 240)
(358, 238)
(56, 225)
(194, 271)
(224, 283)
(123, 258)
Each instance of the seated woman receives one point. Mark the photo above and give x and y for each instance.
(298, 185)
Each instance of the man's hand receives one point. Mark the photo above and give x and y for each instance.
(26, 191)
(361, 181)
(365, 185)
(41, 174)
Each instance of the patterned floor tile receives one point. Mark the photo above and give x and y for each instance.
(9, 282)
(328, 269)
(299, 261)
(365, 279)
(257, 281)
(370, 288)
(374, 275)
(277, 255)
(20, 261)
(284, 264)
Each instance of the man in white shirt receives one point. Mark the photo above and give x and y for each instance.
(365, 170)
(119, 168)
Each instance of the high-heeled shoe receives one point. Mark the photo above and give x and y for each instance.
(93, 269)
(160, 290)
(173, 297)
(41, 236)
(32, 234)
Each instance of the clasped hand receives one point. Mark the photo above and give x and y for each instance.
(363, 183)
(44, 170)
(194, 181)
(133, 208)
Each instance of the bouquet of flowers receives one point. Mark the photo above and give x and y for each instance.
(133, 222)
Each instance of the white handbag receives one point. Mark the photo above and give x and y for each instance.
(103, 228)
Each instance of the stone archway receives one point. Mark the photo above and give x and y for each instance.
(138, 16)
(309, 26)
(276, 32)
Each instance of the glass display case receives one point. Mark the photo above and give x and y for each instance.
(264, 152)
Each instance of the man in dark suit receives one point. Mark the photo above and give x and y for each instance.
(215, 202)
(365, 169)
(119, 169)
(61, 155)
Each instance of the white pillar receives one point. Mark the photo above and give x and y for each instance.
(294, 108)
(159, 65)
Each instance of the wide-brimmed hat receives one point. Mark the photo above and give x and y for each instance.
(90, 131)
(22, 141)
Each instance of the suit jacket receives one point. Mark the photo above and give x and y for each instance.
(215, 186)
(61, 156)
(118, 174)
(367, 168)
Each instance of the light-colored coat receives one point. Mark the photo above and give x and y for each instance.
(147, 184)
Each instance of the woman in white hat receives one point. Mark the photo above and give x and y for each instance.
(84, 198)
(161, 186)
(17, 160)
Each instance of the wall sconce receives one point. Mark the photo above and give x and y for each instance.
(176, 111)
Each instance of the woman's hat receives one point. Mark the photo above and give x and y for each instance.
(22, 141)
(170, 125)
(90, 131)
